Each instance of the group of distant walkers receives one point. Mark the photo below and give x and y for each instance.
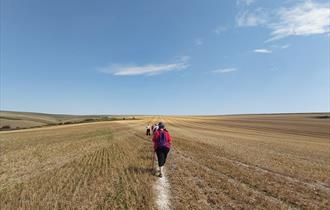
(162, 144)
(152, 128)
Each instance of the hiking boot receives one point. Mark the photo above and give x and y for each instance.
(156, 172)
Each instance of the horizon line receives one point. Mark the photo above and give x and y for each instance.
(230, 114)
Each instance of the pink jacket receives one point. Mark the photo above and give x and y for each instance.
(157, 135)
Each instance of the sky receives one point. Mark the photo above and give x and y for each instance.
(165, 57)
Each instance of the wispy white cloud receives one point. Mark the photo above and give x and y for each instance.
(280, 46)
(223, 71)
(220, 29)
(184, 59)
(263, 50)
(285, 46)
(254, 18)
(149, 69)
(245, 2)
(198, 42)
(303, 19)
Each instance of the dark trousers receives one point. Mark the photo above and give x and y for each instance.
(162, 155)
(148, 132)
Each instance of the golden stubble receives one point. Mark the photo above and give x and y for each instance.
(217, 162)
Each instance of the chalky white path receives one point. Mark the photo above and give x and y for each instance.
(162, 192)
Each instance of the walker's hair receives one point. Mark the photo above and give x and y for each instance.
(161, 125)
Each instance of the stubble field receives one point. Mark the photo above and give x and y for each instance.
(217, 162)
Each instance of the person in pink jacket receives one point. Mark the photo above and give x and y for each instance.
(162, 145)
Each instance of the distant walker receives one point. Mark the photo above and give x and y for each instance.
(148, 130)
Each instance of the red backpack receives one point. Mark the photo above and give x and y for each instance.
(162, 139)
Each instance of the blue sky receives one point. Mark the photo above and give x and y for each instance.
(165, 57)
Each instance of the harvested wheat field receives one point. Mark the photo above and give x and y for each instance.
(217, 162)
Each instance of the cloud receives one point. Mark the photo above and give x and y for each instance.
(220, 29)
(281, 46)
(262, 51)
(245, 2)
(184, 59)
(223, 71)
(284, 46)
(255, 18)
(199, 42)
(303, 19)
(149, 69)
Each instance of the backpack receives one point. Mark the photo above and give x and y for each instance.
(162, 139)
